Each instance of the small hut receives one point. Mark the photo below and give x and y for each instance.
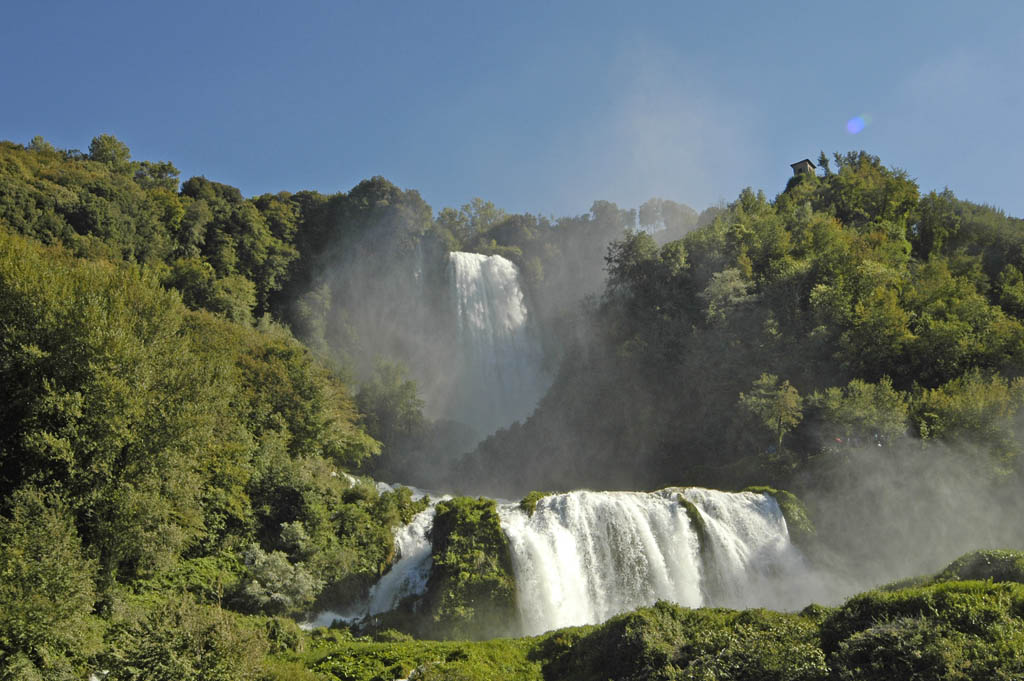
(804, 166)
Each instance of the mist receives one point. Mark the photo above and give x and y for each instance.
(893, 512)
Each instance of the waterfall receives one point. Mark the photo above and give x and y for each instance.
(409, 575)
(498, 374)
(583, 557)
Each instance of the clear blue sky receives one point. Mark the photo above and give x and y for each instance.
(540, 107)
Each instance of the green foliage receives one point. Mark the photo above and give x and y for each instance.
(995, 565)
(273, 585)
(209, 579)
(670, 642)
(179, 639)
(111, 151)
(779, 406)
(862, 410)
(107, 206)
(974, 403)
(471, 592)
(47, 593)
(391, 403)
(172, 433)
(529, 502)
(437, 661)
(959, 630)
(110, 404)
(890, 312)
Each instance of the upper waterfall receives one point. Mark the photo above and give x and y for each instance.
(498, 374)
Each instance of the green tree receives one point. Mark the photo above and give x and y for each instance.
(109, 404)
(47, 593)
(111, 151)
(181, 640)
(863, 409)
(778, 405)
(391, 404)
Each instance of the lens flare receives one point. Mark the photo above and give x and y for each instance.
(858, 123)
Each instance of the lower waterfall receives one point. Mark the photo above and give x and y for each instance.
(582, 557)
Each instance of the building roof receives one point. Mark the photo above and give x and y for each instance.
(800, 163)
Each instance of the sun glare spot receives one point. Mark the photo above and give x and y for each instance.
(857, 123)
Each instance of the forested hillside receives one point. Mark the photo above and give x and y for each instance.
(196, 386)
(850, 311)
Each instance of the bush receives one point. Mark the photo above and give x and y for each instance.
(182, 640)
(274, 585)
(529, 503)
(956, 630)
(671, 642)
(999, 566)
(46, 592)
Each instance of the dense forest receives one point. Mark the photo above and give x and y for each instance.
(199, 390)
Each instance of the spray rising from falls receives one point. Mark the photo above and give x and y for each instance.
(498, 372)
(583, 557)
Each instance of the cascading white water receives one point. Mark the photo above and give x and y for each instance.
(498, 366)
(585, 556)
(582, 557)
(409, 575)
(750, 561)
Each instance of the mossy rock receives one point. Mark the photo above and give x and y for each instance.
(801, 529)
(697, 521)
(529, 502)
(471, 593)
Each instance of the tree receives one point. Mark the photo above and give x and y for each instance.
(391, 403)
(110, 150)
(39, 144)
(181, 640)
(46, 591)
(864, 409)
(159, 174)
(779, 406)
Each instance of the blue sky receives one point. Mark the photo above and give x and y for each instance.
(540, 107)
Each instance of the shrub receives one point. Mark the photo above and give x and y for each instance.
(529, 502)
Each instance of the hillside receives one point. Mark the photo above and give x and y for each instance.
(198, 387)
